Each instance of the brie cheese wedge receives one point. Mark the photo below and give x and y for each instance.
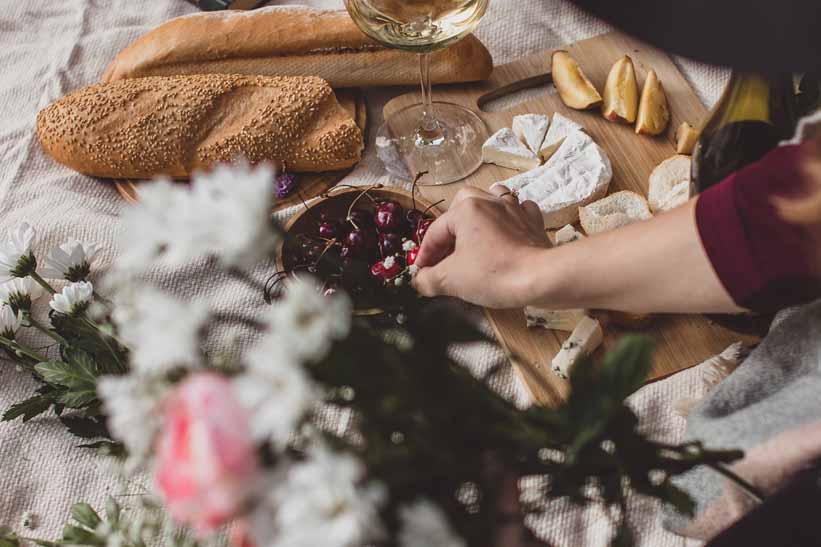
(565, 320)
(585, 338)
(559, 128)
(505, 149)
(578, 173)
(531, 129)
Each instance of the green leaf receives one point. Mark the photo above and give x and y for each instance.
(28, 409)
(112, 511)
(45, 543)
(626, 367)
(75, 535)
(85, 515)
(677, 497)
(77, 399)
(8, 538)
(85, 427)
(107, 448)
(75, 375)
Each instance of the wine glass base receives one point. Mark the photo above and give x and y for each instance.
(450, 156)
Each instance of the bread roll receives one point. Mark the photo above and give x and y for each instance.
(289, 41)
(174, 125)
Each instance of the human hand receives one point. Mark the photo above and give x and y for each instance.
(481, 248)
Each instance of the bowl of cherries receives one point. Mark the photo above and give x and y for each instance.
(360, 240)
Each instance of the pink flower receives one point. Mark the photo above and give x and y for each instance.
(206, 461)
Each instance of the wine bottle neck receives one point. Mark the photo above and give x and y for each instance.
(752, 96)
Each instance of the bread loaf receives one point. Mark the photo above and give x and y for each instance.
(289, 41)
(174, 125)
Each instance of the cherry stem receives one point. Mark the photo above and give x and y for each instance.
(415, 185)
(350, 208)
(425, 212)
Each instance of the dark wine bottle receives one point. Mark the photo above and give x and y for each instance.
(754, 113)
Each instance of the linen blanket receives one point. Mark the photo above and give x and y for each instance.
(48, 48)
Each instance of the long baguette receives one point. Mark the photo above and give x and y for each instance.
(289, 41)
(172, 126)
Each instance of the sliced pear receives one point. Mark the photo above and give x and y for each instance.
(574, 88)
(686, 137)
(654, 115)
(621, 92)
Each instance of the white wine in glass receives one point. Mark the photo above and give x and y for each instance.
(444, 139)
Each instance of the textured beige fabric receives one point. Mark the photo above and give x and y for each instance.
(48, 48)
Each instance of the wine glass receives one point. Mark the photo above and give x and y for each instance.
(444, 139)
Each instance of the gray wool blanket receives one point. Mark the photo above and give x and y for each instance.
(770, 407)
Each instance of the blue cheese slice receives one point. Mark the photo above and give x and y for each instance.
(565, 320)
(578, 173)
(585, 338)
(559, 129)
(531, 129)
(505, 149)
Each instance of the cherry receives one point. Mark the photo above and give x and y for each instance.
(388, 216)
(387, 269)
(411, 256)
(329, 229)
(345, 252)
(389, 244)
(422, 229)
(413, 216)
(359, 242)
(360, 218)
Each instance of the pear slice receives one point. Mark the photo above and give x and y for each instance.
(686, 137)
(574, 88)
(654, 115)
(621, 92)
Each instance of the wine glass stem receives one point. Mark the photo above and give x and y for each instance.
(430, 131)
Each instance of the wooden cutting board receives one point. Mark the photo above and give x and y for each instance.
(682, 340)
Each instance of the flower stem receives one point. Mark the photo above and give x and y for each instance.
(43, 283)
(18, 348)
(754, 493)
(45, 330)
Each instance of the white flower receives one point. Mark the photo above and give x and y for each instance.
(305, 323)
(73, 299)
(321, 502)
(389, 262)
(408, 245)
(412, 269)
(398, 281)
(226, 213)
(276, 391)
(132, 404)
(9, 321)
(71, 260)
(16, 258)
(161, 331)
(425, 525)
(20, 292)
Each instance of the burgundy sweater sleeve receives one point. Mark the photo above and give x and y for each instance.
(762, 260)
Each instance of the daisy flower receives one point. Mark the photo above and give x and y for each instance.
(16, 258)
(20, 293)
(72, 261)
(10, 321)
(74, 299)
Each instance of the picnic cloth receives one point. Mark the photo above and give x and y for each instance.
(48, 49)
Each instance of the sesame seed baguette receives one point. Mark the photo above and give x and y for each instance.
(289, 41)
(176, 125)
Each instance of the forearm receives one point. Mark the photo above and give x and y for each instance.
(653, 266)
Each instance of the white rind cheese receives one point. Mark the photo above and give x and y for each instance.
(565, 320)
(505, 149)
(585, 338)
(560, 128)
(577, 174)
(531, 129)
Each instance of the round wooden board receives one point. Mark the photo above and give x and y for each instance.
(310, 184)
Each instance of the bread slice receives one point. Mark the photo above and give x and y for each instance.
(670, 184)
(289, 41)
(616, 210)
(173, 126)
